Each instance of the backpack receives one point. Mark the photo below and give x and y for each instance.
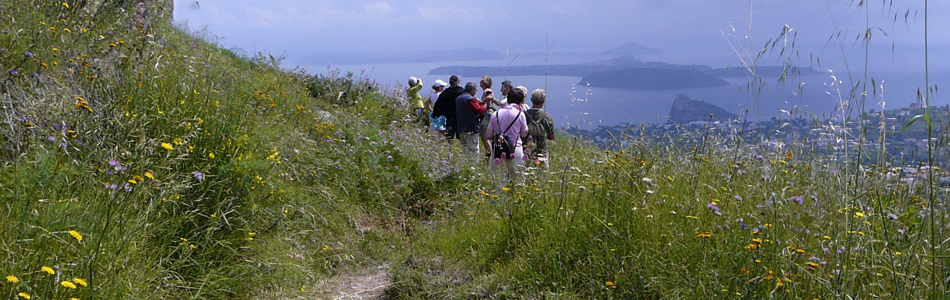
(502, 145)
(536, 133)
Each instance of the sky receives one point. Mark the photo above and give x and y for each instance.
(719, 33)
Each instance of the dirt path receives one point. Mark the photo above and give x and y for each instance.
(366, 285)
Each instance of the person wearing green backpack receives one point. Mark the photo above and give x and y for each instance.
(540, 128)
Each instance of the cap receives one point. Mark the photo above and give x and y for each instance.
(439, 82)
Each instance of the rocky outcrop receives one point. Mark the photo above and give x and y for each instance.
(686, 110)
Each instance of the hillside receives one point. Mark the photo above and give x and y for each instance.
(140, 162)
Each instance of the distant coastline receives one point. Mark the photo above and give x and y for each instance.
(627, 72)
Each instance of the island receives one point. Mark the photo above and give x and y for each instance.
(687, 110)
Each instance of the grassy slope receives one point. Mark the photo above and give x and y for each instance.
(229, 181)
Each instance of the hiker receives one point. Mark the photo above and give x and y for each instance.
(437, 89)
(510, 121)
(540, 128)
(435, 124)
(524, 91)
(469, 112)
(488, 100)
(445, 106)
(415, 100)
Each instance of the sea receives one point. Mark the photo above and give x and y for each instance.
(575, 104)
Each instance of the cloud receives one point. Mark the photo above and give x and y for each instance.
(379, 8)
(433, 13)
(569, 9)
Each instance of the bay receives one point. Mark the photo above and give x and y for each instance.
(574, 104)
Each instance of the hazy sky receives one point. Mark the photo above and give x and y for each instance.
(687, 31)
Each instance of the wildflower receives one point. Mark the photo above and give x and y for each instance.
(13, 279)
(198, 175)
(798, 199)
(28, 54)
(211, 155)
(859, 214)
(704, 235)
(149, 175)
(167, 146)
(68, 284)
(76, 235)
(714, 208)
(66, 5)
(48, 270)
(13, 72)
(505, 189)
(24, 295)
(80, 281)
(610, 284)
(4, 31)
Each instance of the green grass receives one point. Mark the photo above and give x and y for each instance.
(153, 164)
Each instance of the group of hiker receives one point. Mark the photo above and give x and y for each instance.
(507, 130)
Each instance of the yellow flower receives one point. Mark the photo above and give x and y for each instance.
(149, 175)
(48, 270)
(13, 279)
(167, 146)
(76, 235)
(505, 189)
(610, 284)
(68, 284)
(24, 295)
(81, 282)
(859, 214)
(211, 155)
(66, 5)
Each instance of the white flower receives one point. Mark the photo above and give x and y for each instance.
(647, 180)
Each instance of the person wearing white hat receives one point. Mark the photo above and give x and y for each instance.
(437, 89)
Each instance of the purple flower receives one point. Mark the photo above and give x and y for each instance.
(714, 208)
(743, 226)
(512, 156)
(113, 162)
(497, 160)
(28, 54)
(13, 72)
(526, 150)
(4, 31)
(51, 138)
(112, 186)
(198, 175)
(798, 199)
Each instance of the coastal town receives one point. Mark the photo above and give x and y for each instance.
(897, 131)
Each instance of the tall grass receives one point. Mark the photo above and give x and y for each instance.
(143, 162)
(699, 214)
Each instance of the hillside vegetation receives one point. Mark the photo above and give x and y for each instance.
(138, 161)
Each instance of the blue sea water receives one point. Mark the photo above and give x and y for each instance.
(573, 104)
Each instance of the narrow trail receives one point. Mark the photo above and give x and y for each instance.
(368, 284)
